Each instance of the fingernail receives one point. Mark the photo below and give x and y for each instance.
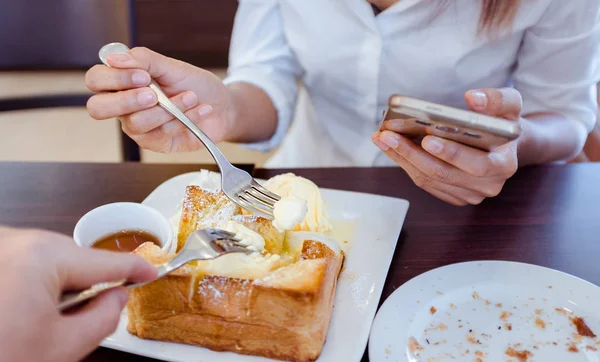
(120, 57)
(389, 139)
(479, 98)
(146, 98)
(204, 110)
(433, 145)
(140, 78)
(190, 99)
(380, 144)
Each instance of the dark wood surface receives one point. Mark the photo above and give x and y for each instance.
(548, 215)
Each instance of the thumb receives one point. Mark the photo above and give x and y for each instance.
(163, 69)
(85, 329)
(80, 268)
(503, 102)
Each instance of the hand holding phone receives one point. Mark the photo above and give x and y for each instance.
(415, 118)
(470, 156)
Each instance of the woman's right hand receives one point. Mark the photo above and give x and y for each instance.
(124, 93)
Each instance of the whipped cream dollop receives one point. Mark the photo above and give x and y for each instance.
(289, 185)
(251, 239)
(208, 180)
(289, 212)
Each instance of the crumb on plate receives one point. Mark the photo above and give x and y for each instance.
(582, 328)
(471, 338)
(540, 323)
(561, 310)
(522, 356)
(413, 345)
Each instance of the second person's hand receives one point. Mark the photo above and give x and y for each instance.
(453, 172)
(36, 267)
(124, 93)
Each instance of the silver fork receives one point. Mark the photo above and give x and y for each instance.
(237, 184)
(202, 244)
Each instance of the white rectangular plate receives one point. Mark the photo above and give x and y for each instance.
(374, 223)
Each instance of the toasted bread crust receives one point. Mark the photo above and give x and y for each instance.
(284, 315)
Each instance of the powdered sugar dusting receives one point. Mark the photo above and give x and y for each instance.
(226, 212)
(222, 292)
(265, 280)
(244, 218)
(204, 288)
(359, 292)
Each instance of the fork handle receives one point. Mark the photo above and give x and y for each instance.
(212, 148)
(170, 107)
(70, 300)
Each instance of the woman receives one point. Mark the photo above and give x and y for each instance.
(351, 56)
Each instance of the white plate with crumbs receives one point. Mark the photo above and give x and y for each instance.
(489, 311)
(367, 227)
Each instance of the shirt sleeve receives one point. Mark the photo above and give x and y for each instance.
(558, 64)
(260, 55)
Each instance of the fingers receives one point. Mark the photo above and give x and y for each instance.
(488, 169)
(503, 102)
(448, 193)
(157, 65)
(468, 159)
(173, 136)
(426, 163)
(80, 268)
(151, 118)
(109, 105)
(101, 78)
(445, 197)
(85, 329)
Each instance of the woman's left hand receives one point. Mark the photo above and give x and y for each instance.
(453, 172)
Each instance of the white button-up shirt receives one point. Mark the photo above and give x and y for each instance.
(350, 61)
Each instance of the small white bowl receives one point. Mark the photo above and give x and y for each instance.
(112, 218)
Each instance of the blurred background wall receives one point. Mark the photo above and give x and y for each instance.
(46, 46)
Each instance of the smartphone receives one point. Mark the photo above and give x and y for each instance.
(421, 118)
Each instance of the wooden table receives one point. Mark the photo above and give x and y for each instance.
(548, 215)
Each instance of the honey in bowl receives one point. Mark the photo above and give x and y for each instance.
(125, 240)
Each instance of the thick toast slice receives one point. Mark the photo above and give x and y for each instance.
(277, 306)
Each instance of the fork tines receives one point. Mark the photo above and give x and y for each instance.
(258, 199)
(221, 234)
